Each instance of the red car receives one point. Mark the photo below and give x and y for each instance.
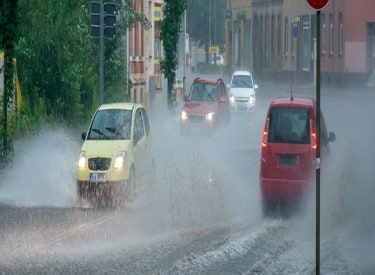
(288, 154)
(206, 106)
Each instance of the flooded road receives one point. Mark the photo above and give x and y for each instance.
(202, 212)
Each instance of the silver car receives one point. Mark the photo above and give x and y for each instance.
(242, 92)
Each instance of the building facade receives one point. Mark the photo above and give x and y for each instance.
(144, 53)
(239, 33)
(284, 37)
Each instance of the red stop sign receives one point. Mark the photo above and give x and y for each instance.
(317, 4)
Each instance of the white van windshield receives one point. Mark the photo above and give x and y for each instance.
(242, 81)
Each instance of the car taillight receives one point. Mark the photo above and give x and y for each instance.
(265, 134)
(265, 140)
(313, 136)
(313, 141)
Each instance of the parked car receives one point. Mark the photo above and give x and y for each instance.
(288, 153)
(242, 92)
(116, 155)
(205, 107)
(218, 60)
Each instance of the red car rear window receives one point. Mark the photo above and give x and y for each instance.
(289, 125)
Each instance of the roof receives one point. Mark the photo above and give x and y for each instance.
(241, 72)
(207, 79)
(297, 101)
(118, 105)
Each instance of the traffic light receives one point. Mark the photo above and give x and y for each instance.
(95, 19)
(109, 20)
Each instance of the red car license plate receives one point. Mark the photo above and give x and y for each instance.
(288, 159)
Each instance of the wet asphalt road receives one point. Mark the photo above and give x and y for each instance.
(202, 214)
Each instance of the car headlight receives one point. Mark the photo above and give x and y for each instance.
(231, 99)
(119, 161)
(82, 160)
(252, 99)
(210, 116)
(184, 115)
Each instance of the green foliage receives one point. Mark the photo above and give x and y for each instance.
(55, 60)
(8, 25)
(58, 61)
(170, 27)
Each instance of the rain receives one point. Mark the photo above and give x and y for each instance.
(201, 212)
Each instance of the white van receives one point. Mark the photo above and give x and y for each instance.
(242, 92)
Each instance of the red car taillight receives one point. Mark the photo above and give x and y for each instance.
(313, 136)
(265, 139)
(313, 141)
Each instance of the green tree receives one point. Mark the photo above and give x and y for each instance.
(56, 64)
(170, 27)
(58, 61)
(8, 25)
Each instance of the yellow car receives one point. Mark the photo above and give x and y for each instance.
(116, 155)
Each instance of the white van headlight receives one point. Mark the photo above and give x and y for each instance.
(119, 161)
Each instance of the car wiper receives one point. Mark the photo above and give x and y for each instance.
(99, 132)
(114, 131)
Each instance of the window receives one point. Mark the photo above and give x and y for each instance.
(289, 125)
(286, 36)
(242, 81)
(305, 54)
(292, 42)
(341, 33)
(267, 39)
(331, 34)
(323, 34)
(111, 124)
(279, 28)
(237, 42)
(273, 34)
(247, 41)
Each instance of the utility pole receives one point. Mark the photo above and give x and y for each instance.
(317, 5)
(101, 54)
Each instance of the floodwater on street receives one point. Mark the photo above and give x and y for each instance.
(201, 213)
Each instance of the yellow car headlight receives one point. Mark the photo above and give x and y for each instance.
(119, 161)
(82, 160)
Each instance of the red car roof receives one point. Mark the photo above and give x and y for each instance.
(206, 80)
(296, 101)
